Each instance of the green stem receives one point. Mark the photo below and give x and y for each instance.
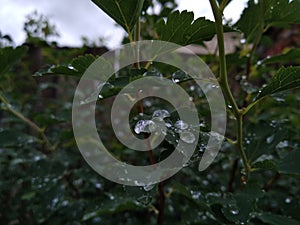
(223, 80)
(30, 123)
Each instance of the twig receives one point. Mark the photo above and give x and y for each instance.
(30, 123)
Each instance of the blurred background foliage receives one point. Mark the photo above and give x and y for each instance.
(45, 180)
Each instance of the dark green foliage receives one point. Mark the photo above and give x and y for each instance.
(50, 183)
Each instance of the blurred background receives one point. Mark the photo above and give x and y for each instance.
(75, 20)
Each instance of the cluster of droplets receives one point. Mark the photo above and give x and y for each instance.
(151, 125)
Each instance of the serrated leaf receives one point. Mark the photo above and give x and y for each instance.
(272, 219)
(284, 79)
(182, 29)
(125, 12)
(288, 57)
(290, 164)
(10, 56)
(258, 16)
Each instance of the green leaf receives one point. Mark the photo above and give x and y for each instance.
(290, 164)
(243, 204)
(284, 79)
(77, 67)
(266, 165)
(259, 16)
(288, 57)
(276, 219)
(125, 12)
(261, 139)
(182, 29)
(10, 56)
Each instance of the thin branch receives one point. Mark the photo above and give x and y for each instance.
(30, 123)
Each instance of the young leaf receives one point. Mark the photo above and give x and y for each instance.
(290, 164)
(182, 29)
(125, 12)
(284, 79)
(10, 56)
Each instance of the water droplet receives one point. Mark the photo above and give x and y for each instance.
(282, 144)
(37, 158)
(168, 125)
(216, 136)
(195, 194)
(187, 137)
(288, 200)
(178, 75)
(148, 187)
(111, 197)
(230, 106)
(65, 203)
(161, 113)
(147, 103)
(243, 41)
(180, 124)
(205, 182)
(98, 185)
(192, 88)
(146, 126)
(234, 211)
(100, 96)
(270, 139)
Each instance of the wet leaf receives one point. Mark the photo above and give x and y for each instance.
(285, 79)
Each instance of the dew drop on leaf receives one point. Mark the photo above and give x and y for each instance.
(180, 124)
(187, 137)
(161, 113)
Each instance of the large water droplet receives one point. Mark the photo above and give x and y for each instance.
(180, 124)
(187, 137)
(161, 113)
(146, 126)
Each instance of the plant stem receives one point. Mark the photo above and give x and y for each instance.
(223, 80)
(30, 123)
(223, 68)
